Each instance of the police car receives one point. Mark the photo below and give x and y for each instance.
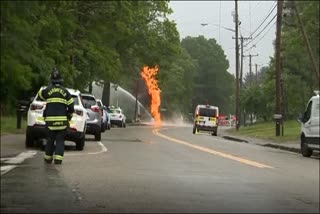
(310, 127)
(36, 125)
(206, 119)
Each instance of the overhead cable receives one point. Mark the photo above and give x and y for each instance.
(261, 31)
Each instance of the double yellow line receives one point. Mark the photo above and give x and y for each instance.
(211, 151)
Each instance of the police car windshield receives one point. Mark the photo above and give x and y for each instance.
(207, 112)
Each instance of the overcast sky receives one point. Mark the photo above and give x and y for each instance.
(190, 14)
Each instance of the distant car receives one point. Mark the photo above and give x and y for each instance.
(206, 119)
(310, 127)
(94, 120)
(105, 116)
(36, 125)
(117, 117)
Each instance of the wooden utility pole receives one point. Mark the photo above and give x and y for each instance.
(278, 116)
(237, 68)
(241, 68)
(250, 67)
(241, 64)
(306, 40)
(256, 74)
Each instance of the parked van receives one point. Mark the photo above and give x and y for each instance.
(310, 127)
(206, 119)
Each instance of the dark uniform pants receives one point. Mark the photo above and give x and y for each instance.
(58, 137)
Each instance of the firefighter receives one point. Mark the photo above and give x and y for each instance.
(58, 113)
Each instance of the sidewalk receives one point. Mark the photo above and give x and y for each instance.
(12, 145)
(292, 146)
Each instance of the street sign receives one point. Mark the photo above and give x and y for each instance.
(277, 116)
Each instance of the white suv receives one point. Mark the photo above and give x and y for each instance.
(310, 127)
(36, 125)
(117, 117)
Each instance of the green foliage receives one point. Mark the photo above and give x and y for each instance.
(87, 41)
(212, 81)
(266, 130)
(298, 78)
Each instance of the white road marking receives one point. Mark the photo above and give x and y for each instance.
(15, 160)
(5, 169)
(211, 151)
(103, 149)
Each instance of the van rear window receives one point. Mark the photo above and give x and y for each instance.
(207, 112)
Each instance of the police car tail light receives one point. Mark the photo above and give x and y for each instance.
(95, 108)
(36, 107)
(73, 129)
(79, 112)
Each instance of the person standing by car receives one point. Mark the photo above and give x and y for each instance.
(58, 112)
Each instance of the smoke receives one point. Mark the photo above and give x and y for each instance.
(177, 119)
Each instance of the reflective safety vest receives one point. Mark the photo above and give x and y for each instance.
(59, 106)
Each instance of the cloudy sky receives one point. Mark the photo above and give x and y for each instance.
(190, 14)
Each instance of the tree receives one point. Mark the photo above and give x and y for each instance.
(212, 81)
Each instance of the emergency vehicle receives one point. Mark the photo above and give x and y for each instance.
(310, 126)
(206, 119)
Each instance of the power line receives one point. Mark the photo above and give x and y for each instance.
(270, 11)
(256, 5)
(250, 11)
(261, 37)
(219, 21)
(261, 30)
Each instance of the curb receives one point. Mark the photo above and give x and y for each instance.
(290, 149)
(270, 145)
(137, 124)
(235, 139)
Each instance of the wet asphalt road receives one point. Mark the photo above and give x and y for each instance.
(141, 169)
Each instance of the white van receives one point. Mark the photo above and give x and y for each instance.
(310, 127)
(206, 119)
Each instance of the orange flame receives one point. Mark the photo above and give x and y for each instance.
(148, 74)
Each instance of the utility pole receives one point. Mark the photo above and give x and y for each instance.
(241, 68)
(256, 74)
(237, 68)
(241, 74)
(278, 116)
(250, 67)
(136, 105)
(306, 40)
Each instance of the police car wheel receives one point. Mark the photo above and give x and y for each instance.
(29, 140)
(80, 143)
(97, 136)
(103, 128)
